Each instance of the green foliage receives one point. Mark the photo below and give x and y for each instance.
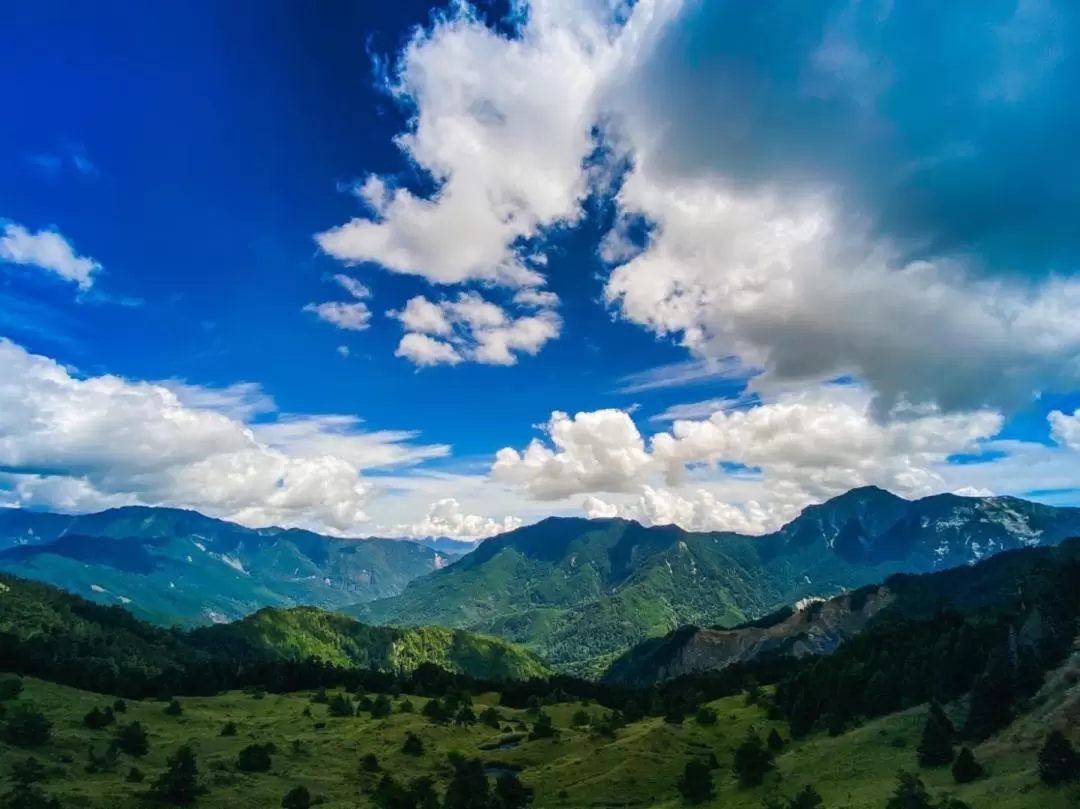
(775, 741)
(27, 727)
(135, 776)
(133, 739)
(255, 758)
(369, 762)
(406, 706)
(96, 718)
(542, 728)
(910, 793)
(580, 719)
(179, 783)
(1059, 763)
(752, 761)
(340, 705)
(491, 717)
(297, 798)
(966, 769)
(174, 708)
(119, 706)
(705, 716)
(469, 787)
(228, 729)
(935, 747)
(413, 746)
(696, 783)
(27, 797)
(28, 771)
(510, 793)
(10, 688)
(101, 762)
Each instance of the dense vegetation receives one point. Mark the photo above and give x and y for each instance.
(581, 592)
(179, 567)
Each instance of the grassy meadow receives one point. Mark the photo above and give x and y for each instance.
(575, 770)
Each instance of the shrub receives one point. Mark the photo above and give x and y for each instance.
(254, 758)
(705, 716)
(580, 719)
(174, 708)
(96, 718)
(369, 762)
(696, 784)
(752, 761)
(119, 706)
(775, 741)
(27, 727)
(135, 776)
(10, 688)
(413, 746)
(229, 729)
(341, 705)
(132, 739)
(297, 798)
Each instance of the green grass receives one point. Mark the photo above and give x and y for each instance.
(574, 771)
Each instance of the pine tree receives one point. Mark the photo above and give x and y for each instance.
(27, 726)
(132, 739)
(775, 740)
(178, 784)
(696, 784)
(752, 761)
(935, 747)
(806, 798)
(966, 768)
(1058, 760)
(413, 746)
(510, 793)
(910, 793)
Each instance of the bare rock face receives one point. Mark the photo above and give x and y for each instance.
(816, 628)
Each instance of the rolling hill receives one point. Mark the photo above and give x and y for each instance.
(176, 566)
(41, 624)
(580, 592)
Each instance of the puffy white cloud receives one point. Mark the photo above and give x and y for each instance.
(502, 125)
(350, 316)
(424, 351)
(600, 451)
(344, 351)
(474, 329)
(1065, 429)
(788, 286)
(445, 519)
(48, 250)
(747, 470)
(81, 443)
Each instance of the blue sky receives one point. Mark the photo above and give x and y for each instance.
(341, 262)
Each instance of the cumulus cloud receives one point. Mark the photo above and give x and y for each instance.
(47, 250)
(600, 451)
(83, 443)
(471, 328)
(1065, 429)
(502, 126)
(445, 519)
(747, 470)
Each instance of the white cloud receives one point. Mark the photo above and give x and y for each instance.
(47, 250)
(687, 372)
(785, 285)
(698, 410)
(352, 286)
(82, 443)
(600, 451)
(344, 351)
(474, 329)
(746, 470)
(349, 316)
(1065, 429)
(424, 351)
(540, 298)
(503, 126)
(445, 519)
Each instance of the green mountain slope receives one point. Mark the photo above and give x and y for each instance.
(175, 566)
(40, 623)
(580, 592)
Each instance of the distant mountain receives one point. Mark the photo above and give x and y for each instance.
(171, 565)
(580, 592)
(446, 545)
(40, 624)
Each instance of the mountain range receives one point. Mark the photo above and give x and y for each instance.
(581, 592)
(176, 566)
(577, 593)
